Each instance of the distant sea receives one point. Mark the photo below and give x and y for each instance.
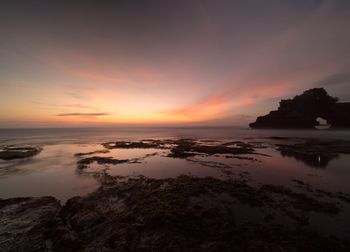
(95, 135)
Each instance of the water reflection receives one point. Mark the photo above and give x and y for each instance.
(313, 160)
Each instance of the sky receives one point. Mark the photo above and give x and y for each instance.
(166, 63)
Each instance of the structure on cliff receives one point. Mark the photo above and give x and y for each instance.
(303, 110)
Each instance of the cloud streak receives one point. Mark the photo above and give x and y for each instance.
(84, 114)
(81, 106)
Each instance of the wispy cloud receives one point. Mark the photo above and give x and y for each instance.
(84, 114)
(81, 106)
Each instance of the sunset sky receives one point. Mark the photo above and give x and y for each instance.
(190, 62)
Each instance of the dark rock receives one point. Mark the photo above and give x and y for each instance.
(83, 163)
(187, 148)
(177, 214)
(24, 223)
(302, 201)
(90, 153)
(12, 152)
(131, 145)
(190, 214)
(303, 110)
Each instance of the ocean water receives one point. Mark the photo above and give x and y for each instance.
(89, 135)
(54, 170)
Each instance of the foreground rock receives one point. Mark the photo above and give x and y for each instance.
(25, 223)
(195, 214)
(303, 110)
(178, 214)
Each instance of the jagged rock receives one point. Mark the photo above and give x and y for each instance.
(303, 110)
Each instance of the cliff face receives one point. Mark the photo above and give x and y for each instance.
(303, 110)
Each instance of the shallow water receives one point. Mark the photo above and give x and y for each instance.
(54, 170)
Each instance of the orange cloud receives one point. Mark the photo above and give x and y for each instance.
(81, 106)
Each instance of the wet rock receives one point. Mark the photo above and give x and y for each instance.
(24, 223)
(13, 152)
(302, 201)
(188, 214)
(83, 163)
(187, 148)
(177, 214)
(131, 145)
(91, 153)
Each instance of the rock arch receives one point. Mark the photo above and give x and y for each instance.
(303, 110)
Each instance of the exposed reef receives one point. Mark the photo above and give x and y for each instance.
(183, 148)
(91, 153)
(14, 152)
(132, 145)
(83, 163)
(177, 214)
(303, 110)
(187, 148)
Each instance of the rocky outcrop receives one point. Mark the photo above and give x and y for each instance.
(303, 110)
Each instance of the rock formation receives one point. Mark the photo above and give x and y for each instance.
(303, 110)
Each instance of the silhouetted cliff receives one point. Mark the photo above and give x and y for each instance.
(303, 110)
